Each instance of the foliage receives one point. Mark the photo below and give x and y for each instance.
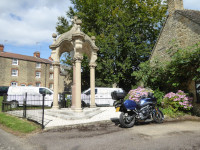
(159, 96)
(125, 33)
(170, 113)
(177, 101)
(136, 94)
(174, 74)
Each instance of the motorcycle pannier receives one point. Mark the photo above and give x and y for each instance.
(118, 95)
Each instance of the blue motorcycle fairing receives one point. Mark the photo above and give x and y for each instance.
(146, 101)
(129, 104)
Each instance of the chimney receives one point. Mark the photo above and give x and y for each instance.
(36, 54)
(50, 58)
(174, 5)
(1, 47)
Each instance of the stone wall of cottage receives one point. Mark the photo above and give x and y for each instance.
(178, 32)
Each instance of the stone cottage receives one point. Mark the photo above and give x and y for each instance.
(22, 70)
(182, 28)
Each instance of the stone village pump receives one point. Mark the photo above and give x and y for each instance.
(76, 43)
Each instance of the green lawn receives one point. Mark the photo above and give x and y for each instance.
(1, 99)
(16, 124)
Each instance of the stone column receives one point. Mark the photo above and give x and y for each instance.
(56, 68)
(74, 86)
(92, 84)
(78, 85)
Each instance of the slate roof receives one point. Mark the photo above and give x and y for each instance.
(193, 15)
(24, 57)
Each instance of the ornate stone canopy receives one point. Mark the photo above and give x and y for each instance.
(76, 43)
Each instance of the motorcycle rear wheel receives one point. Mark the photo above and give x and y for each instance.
(127, 120)
(158, 116)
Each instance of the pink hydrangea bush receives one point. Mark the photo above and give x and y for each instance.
(178, 101)
(135, 94)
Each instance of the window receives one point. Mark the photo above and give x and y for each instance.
(51, 76)
(44, 91)
(29, 85)
(13, 83)
(51, 86)
(38, 84)
(14, 72)
(15, 61)
(37, 74)
(51, 66)
(23, 84)
(38, 65)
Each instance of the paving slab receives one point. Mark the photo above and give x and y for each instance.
(67, 117)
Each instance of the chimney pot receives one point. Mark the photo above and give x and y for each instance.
(50, 58)
(36, 54)
(1, 47)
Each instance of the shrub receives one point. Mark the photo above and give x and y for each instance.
(159, 96)
(177, 101)
(136, 94)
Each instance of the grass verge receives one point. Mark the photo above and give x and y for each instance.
(15, 124)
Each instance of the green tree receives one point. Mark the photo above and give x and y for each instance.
(125, 31)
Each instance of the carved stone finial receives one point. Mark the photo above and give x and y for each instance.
(54, 35)
(78, 23)
(74, 19)
(93, 38)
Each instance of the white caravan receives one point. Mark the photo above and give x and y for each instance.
(16, 96)
(102, 96)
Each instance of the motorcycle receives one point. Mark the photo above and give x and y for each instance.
(131, 111)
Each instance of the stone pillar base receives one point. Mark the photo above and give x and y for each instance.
(93, 106)
(77, 109)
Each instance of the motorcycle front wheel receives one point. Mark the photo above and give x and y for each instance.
(127, 120)
(158, 116)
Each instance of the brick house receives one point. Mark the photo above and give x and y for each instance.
(22, 70)
(182, 28)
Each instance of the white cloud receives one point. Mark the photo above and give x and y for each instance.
(25, 22)
(191, 4)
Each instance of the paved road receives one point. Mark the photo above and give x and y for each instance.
(167, 136)
(11, 142)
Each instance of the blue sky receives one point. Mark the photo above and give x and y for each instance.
(26, 26)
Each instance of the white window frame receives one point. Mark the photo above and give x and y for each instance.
(14, 73)
(51, 67)
(38, 65)
(38, 74)
(51, 76)
(51, 84)
(14, 61)
(37, 84)
(13, 83)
